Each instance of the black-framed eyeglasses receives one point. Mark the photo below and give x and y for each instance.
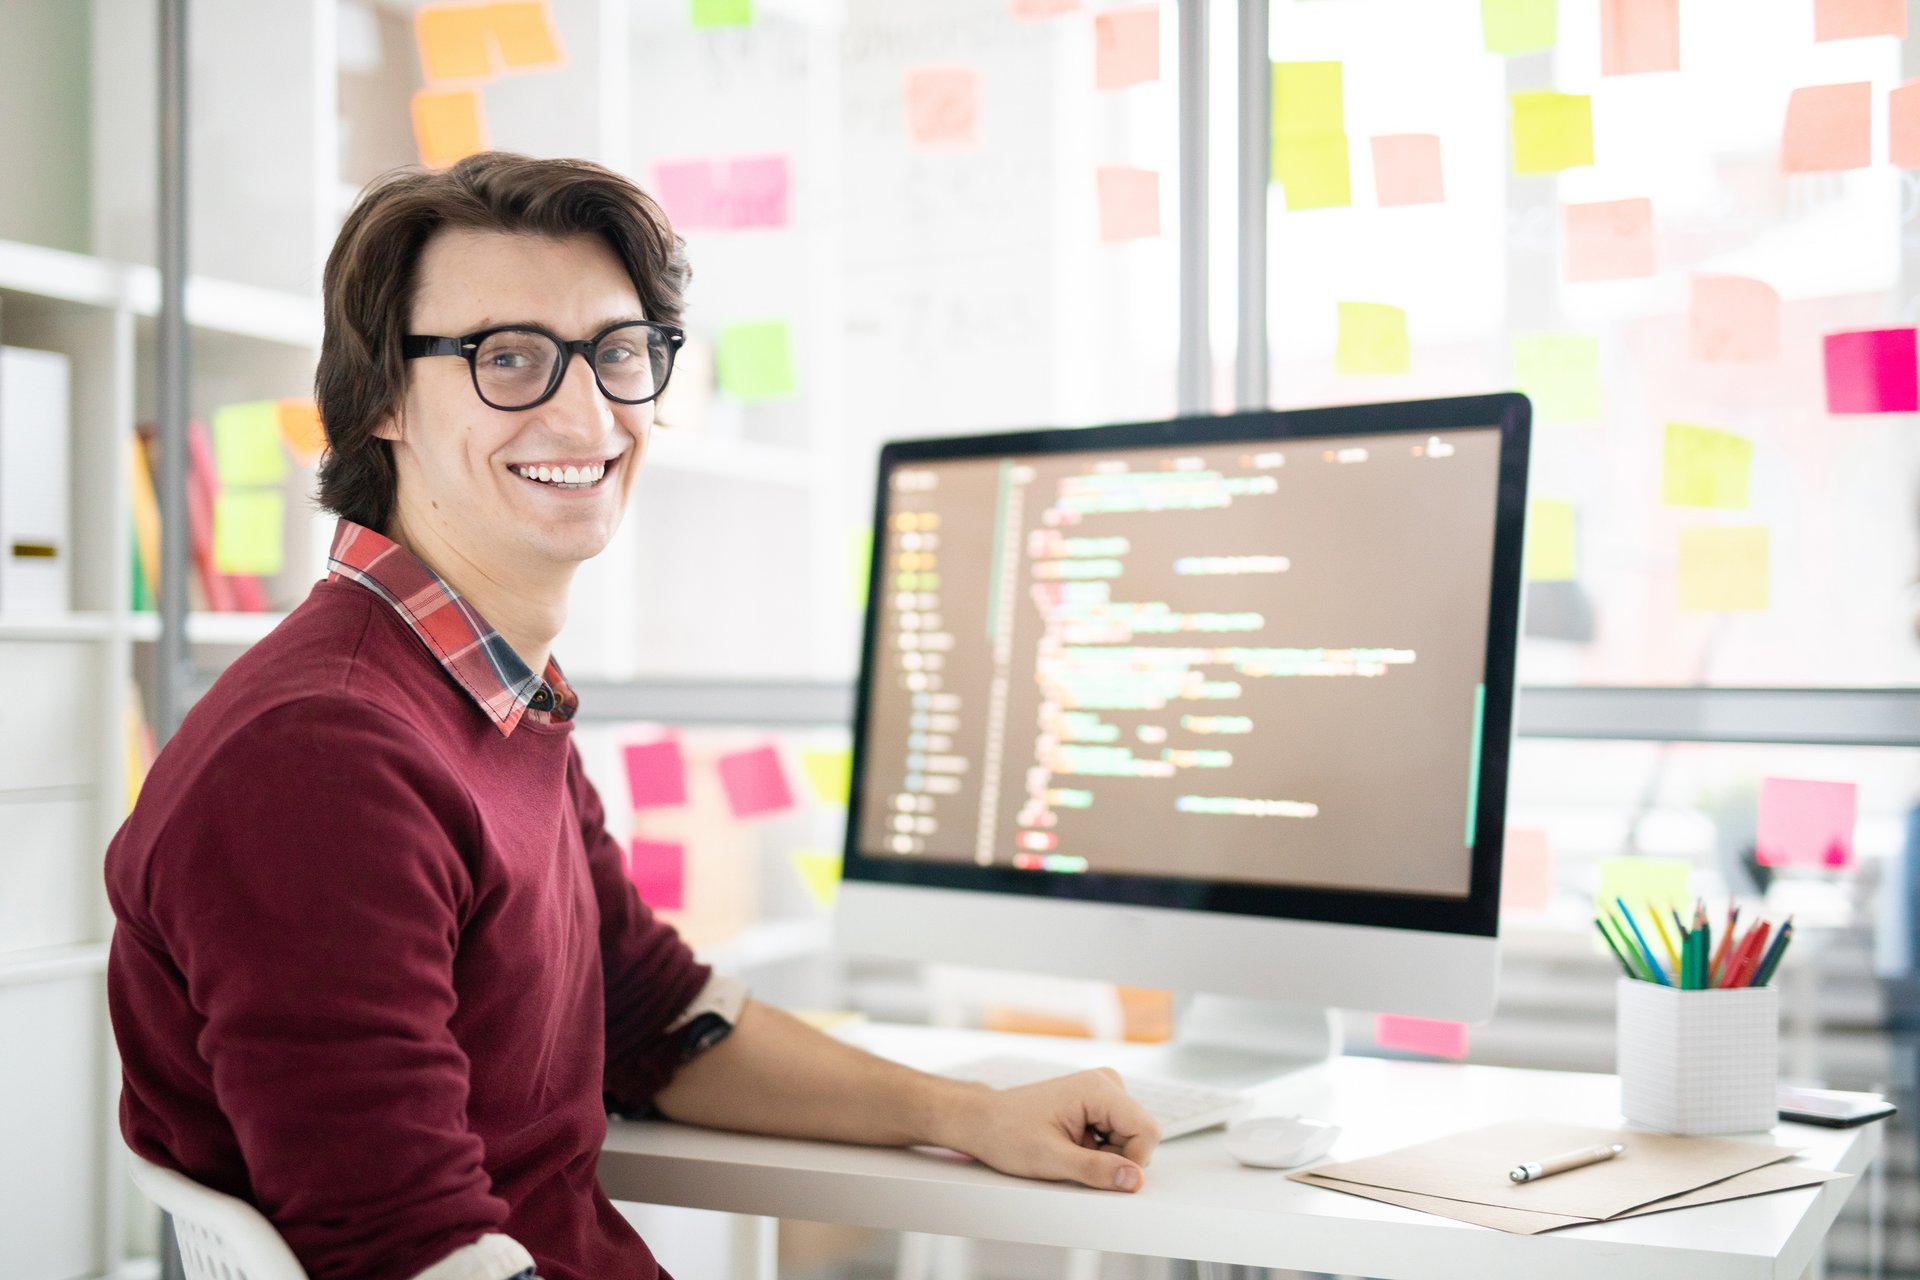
(519, 366)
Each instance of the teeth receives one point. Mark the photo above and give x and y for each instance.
(573, 475)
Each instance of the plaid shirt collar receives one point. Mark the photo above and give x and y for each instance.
(473, 653)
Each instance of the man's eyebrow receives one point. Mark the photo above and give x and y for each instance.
(488, 322)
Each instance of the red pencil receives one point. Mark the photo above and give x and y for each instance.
(1755, 947)
(1716, 971)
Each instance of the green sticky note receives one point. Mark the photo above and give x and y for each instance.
(859, 565)
(754, 361)
(1646, 885)
(829, 773)
(1550, 544)
(1307, 98)
(246, 444)
(1705, 468)
(1551, 131)
(1560, 373)
(1373, 339)
(1517, 26)
(820, 871)
(247, 528)
(1312, 171)
(722, 13)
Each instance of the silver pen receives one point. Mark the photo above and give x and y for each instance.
(1566, 1160)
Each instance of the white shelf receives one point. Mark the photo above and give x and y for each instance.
(210, 628)
(56, 626)
(55, 273)
(728, 459)
(50, 964)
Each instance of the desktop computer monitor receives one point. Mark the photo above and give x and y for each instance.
(1217, 704)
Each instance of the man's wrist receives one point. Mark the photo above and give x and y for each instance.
(952, 1113)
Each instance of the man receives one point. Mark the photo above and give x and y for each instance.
(378, 969)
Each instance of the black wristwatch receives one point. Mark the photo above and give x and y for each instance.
(701, 1034)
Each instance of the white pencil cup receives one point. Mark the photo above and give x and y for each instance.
(1694, 1062)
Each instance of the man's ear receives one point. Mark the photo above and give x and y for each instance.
(389, 426)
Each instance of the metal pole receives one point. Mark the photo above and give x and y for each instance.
(174, 659)
(1256, 139)
(1196, 357)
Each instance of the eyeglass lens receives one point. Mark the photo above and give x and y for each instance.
(514, 367)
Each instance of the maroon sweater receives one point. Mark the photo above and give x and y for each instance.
(376, 962)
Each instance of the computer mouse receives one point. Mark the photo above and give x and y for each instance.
(1279, 1142)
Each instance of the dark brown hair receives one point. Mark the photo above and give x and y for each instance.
(373, 273)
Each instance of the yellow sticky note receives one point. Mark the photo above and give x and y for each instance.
(448, 127)
(1550, 542)
(246, 443)
(247, 532)
(721, 13)
(1308, 98)
(1560, 373)
(1723, 569)
(1517, 26)
(829, 772)
(1312, 170)
(1704, 467)
(754, 362)
(1646, 885)
(1551, 131)
(455, 42)
(1373, 339)
(820, 870)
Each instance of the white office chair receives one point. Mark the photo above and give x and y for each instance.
(220, 1238)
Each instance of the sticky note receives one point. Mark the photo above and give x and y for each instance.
(820, 871)
(943, 108)
(721, 13)
(1308, 98)
(1427, 1036)
(1560, 374)
(1804, 823)
(656, 773)
(1609, 240)
(455, 42)
(658, 869)
(754, 362)
(829, 773)
(1517, 26)
(1872, 371)
(1406, 169)
(859, 565)
(687, 191)
(1638, 36)
(1126, 47)
(1551, 131)
(1849, 19)
(1723, 569)
(1550, 541)
(246, 443)
(756, 191)
(248, 532)
(1526, 870)
(1312, 170)
(1704, 467)
(755, 783)
(1129, 203)
(301, 429)
(1733, 320)
(1645, 885)
(1903, 125)
(525, 37)
(1373, 339)
(1829, 127)
(1044, 8)
(448, 127)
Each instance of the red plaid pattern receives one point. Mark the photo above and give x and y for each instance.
(473, 653)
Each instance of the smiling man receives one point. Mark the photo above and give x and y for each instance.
(378, 969)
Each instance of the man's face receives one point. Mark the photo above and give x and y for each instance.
(459, 460)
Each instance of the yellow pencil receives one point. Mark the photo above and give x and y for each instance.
(1665, 941)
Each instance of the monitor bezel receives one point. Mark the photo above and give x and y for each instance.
(1477, 913)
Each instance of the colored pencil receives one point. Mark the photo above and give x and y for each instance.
(1750, 953)
(1672, 953)
(1615, 948)
(1715, 972)
(1772, 960)
(1653, 966)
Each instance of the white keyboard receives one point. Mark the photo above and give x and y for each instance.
(1178, 1107)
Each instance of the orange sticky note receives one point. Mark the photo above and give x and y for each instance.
(525, 36)
(455, 41)
(943, 108)
(1733, 320)
(301, 428)
(1723, 569)
(1406, 169)
(1829, 127)
(448, 126)
(1126, 47)
(1428, 1036)
(1638, 36)
(1903, 125)
(1609, 240)
(1526, 871)
(1129, 203)
(1848, 19)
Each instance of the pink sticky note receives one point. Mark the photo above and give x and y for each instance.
(658, 869)
(1526, 871)
(1609, 240)
(943, 108)
(1420, 1035)
(1126, 47)
(1044, 8)
(686, 190)
(1129, 203)
(1903, 125)
(1847, 19)
(1733, 320)
(1872, 371)
(656, 774)
(1829, 127)
(1805, 823)
(1638, 36)
(1406, 169)
(755, 783)
(755, 191)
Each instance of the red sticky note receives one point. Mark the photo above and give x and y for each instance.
(524, 33)
(1638, 36)
(1733, 320)
(1847, 19)
(1609, 240)
(658, 869)
(1129, 203)
(755, 191)
(1526, 871)
(1420, 1035)
(1829, 127)
(1805, 823)
(656, 774)
(754, 782)
(1903, 125)
(448, 127)
(687, 192)
(1872, 371)
(943, 108)
(1126, 47)
(1406, 169)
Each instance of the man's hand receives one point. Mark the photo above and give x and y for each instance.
(1078, 1128)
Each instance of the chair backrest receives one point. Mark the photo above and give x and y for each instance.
(220, 1237)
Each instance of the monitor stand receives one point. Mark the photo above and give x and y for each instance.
(1236, 1043)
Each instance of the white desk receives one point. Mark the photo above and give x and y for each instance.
(1200, 1205)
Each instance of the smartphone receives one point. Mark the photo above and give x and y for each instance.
(1834, 1108)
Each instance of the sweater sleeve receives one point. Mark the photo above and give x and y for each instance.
(650, 973)
(311, 888)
